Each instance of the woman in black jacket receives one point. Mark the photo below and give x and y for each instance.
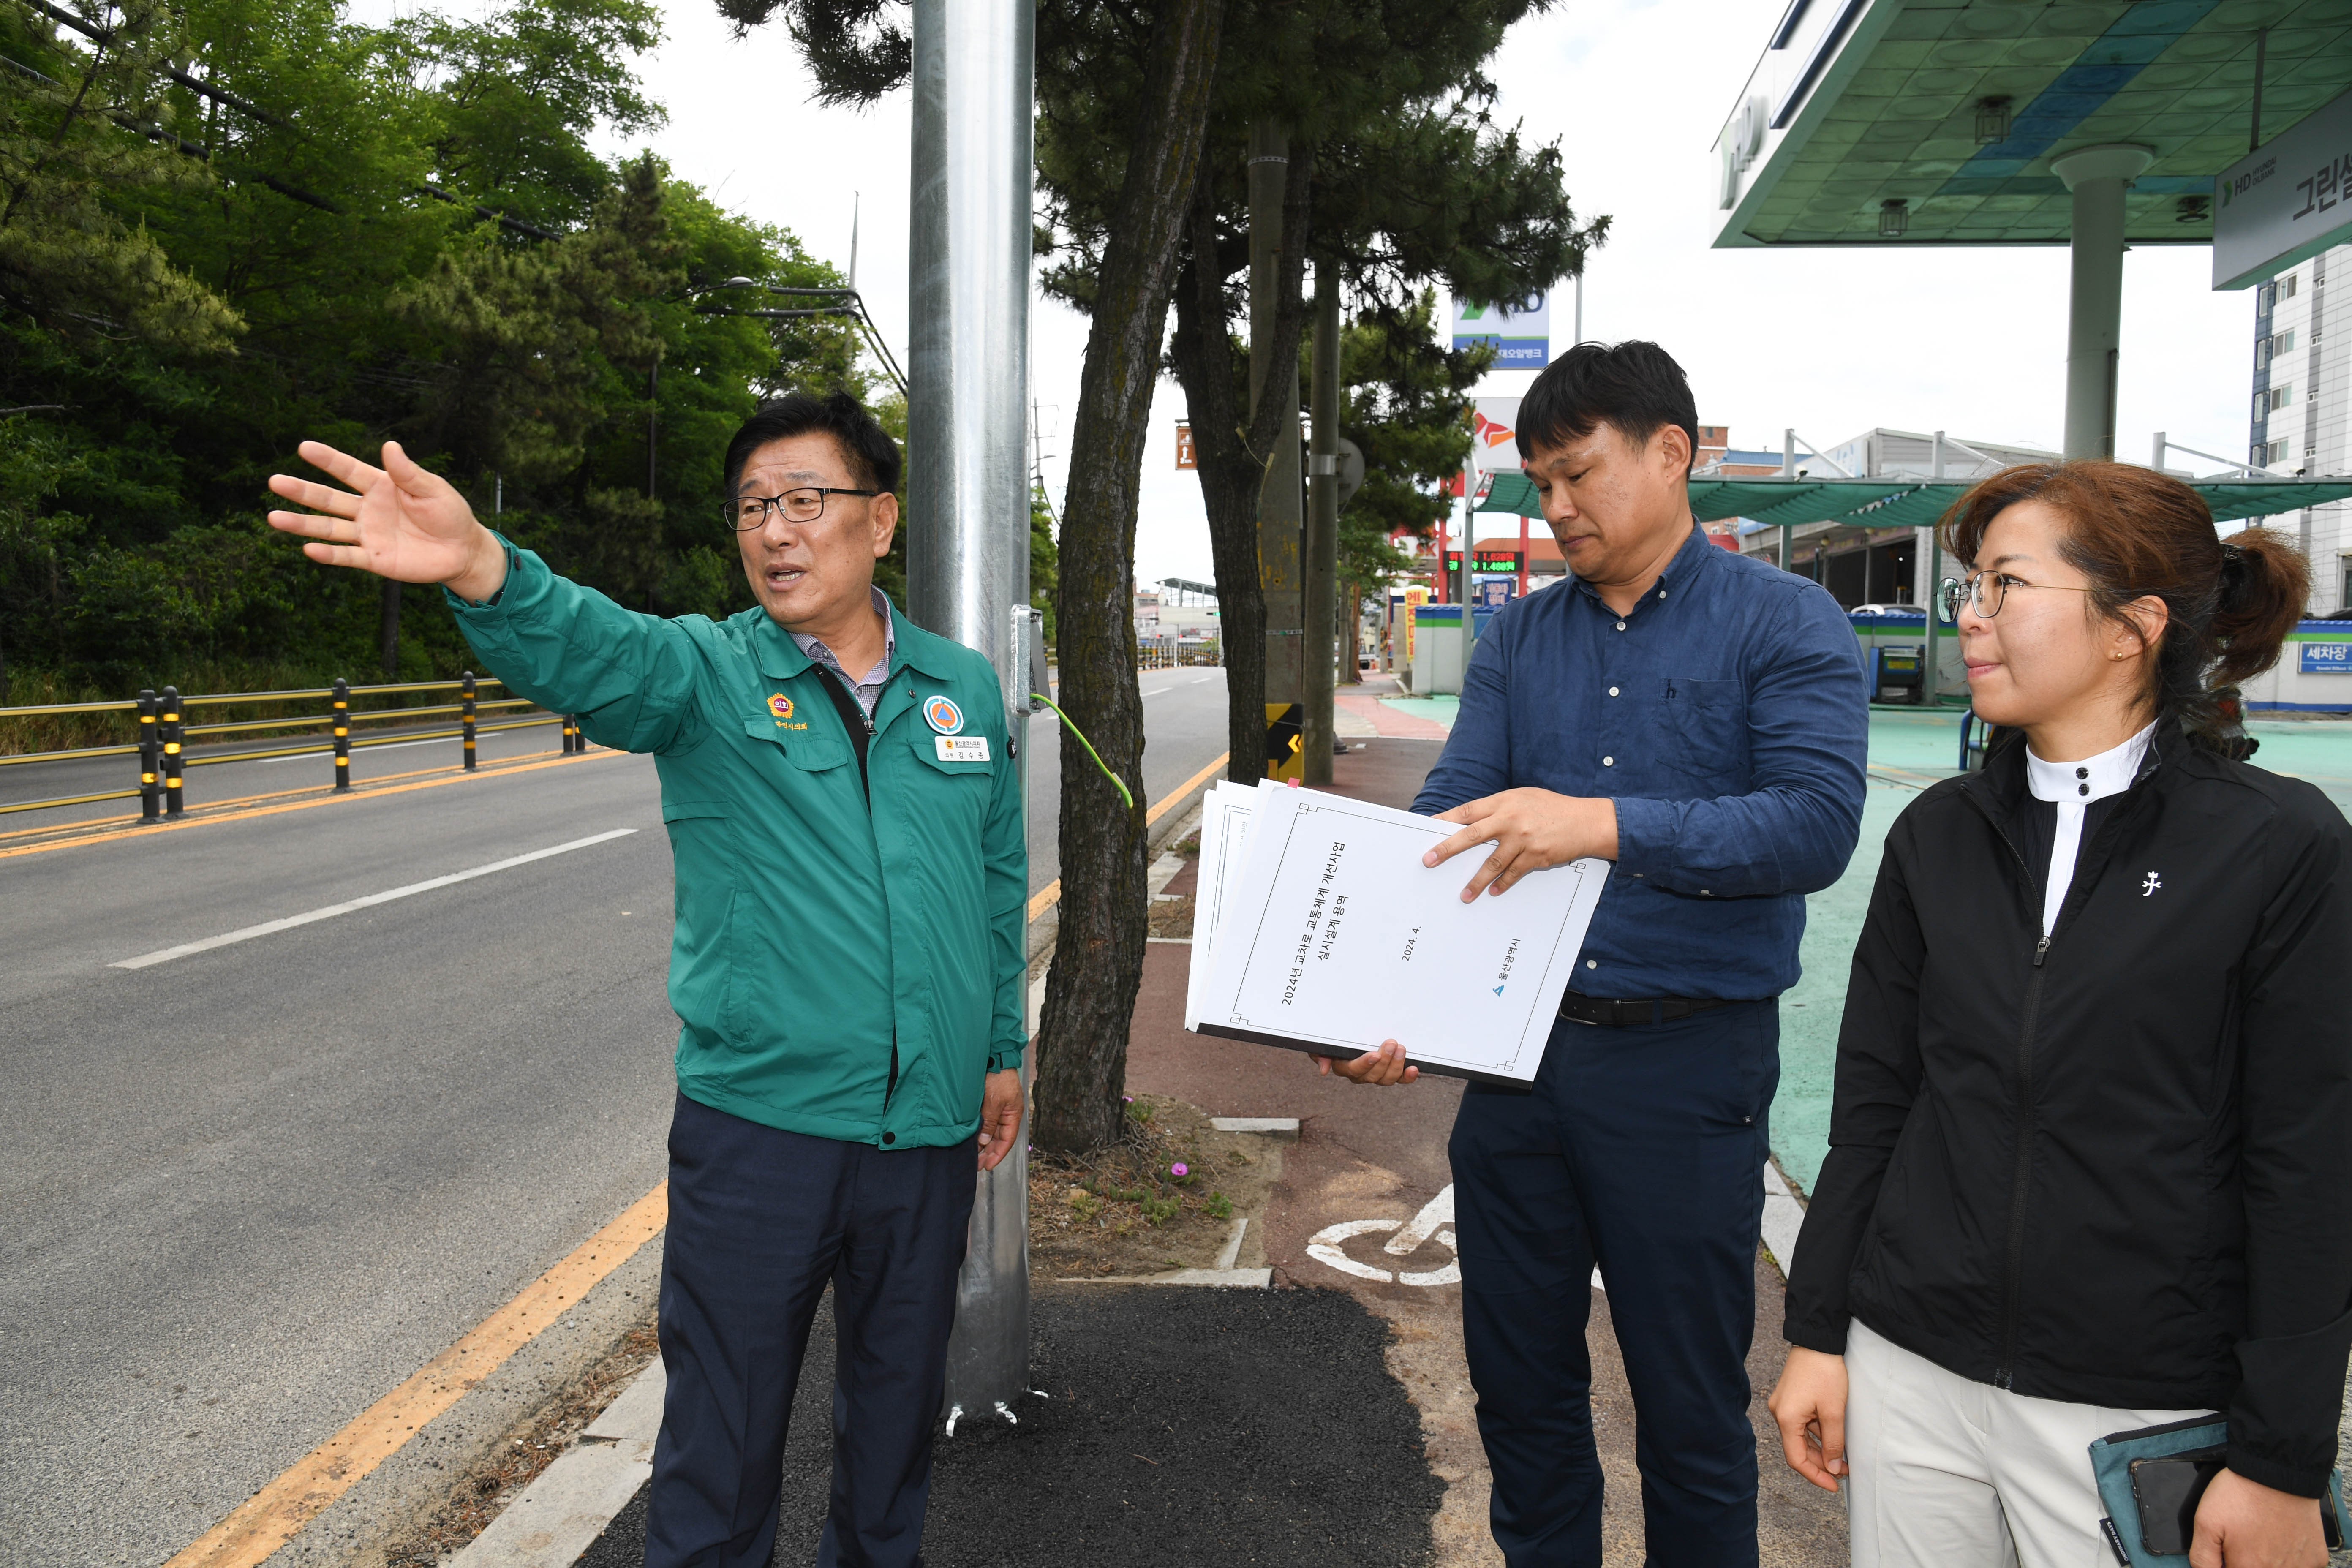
(2091, 1142)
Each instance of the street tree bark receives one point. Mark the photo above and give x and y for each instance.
(1233, 451)
(1098, 953)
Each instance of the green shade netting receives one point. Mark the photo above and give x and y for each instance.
(1894, 504)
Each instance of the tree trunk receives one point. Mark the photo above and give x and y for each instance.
(1230, 451)
(1098, 955)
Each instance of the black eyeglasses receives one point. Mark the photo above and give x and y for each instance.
(805, 504)
(1984, 592)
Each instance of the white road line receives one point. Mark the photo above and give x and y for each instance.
(268, 928)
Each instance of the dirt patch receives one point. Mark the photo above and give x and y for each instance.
(1126, 1210)
(1172, 915)
(523, 1451)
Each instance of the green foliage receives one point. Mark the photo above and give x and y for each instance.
(368, 233)
(1216, 1206)
(71, 125)
(1404, 401)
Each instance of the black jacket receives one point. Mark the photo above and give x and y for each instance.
(2111, 1167)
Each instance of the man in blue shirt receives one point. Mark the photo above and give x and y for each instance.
(1701, 719)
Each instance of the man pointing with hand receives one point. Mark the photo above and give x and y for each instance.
(848, 961)
(1699, 718)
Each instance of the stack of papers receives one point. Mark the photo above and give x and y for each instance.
(1316, 927)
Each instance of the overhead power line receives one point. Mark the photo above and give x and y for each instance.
(247, 106)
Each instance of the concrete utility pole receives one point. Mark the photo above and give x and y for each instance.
(968, 501)
(1322, 537)
(2097, 176)
(1279, 522)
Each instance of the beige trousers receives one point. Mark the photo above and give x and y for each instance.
(1955, 1474)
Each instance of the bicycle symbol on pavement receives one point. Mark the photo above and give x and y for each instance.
(1326, 1245)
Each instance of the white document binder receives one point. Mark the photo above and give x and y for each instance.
(1318, 928)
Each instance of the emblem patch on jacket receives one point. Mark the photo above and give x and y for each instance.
(942, 715)
(781, 706)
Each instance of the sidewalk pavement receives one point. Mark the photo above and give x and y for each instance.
(1179, 1425)
(1378, 1156)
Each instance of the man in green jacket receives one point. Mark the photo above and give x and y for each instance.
(848, 960)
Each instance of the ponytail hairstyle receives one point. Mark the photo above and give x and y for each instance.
(2135, 532)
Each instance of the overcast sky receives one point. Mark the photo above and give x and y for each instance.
(1831, 342)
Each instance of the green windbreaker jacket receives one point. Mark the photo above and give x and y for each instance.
(817, 937)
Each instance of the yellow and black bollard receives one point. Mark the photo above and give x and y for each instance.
(343, 733)
(169, 733)
(467, 718)
(151, 757)
(1284, 725)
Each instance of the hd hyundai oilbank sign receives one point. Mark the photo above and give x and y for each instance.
(1519, 330)
(2286, 203)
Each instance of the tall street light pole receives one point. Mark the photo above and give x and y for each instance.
(968, 502)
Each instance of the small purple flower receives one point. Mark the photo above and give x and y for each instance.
(1129, 1098)
(1180, 1169)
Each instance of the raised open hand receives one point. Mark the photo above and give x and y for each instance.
(399, 521)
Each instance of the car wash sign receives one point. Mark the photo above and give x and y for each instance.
(2285, 204)
(1518, 329)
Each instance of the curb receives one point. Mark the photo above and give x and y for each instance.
(1784, 1213)
(559, 1515)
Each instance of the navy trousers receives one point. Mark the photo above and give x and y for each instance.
(1638, 1149)
(760, 1221)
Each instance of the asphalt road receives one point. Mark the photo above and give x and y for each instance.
(1184, 730)
(259, 1185)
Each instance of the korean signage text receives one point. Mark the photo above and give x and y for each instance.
(2326, 659)
(2286, 203)
(1518, 329)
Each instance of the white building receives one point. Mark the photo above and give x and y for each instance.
(1881, 565)
(2302, 413)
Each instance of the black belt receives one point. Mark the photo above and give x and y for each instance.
(1625, 1012)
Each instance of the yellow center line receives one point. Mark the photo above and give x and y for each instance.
(1047, 897)
(211, 806)
(279, 1511)
(448, 777)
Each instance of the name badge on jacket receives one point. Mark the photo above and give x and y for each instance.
(962, 748)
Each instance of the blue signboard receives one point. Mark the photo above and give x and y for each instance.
(2326, 658)
(1520, 330)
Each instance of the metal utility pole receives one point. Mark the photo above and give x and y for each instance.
(1321, 536)
(1279, 522)
(967, 491)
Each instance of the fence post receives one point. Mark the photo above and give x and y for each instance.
(168, 726)
(343, 733)
(150, 789)
(466, 719)
(571, 730)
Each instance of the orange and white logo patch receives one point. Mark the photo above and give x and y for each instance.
(781, 706)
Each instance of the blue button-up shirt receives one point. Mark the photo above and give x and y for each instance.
(1727, 716)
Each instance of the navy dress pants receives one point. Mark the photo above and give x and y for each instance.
(1640, 1148)
(760, 1221)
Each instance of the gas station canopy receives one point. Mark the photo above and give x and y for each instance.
(1889, 503)
(1943, 123)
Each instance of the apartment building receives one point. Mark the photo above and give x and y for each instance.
(2301, 413)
